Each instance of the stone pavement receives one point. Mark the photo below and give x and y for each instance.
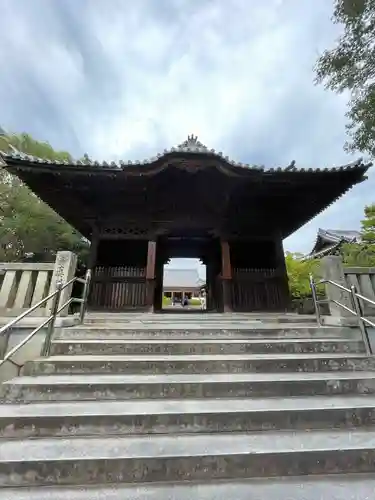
(175, 406)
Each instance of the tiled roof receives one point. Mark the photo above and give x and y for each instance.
(181, 278)
(332, 235)
(328, 240)
(192, 146)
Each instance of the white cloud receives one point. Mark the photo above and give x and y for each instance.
(124, 79)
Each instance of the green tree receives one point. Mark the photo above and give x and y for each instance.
(27, 225)
(368, 224)
(362, 254)
(350, 66)
(298, 274)
(358, 254)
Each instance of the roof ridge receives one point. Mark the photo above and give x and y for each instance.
(190, 146)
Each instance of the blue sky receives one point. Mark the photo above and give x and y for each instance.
(124, 79)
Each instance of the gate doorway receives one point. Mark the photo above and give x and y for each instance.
(243, 276)
(184, 284)
(177, 284)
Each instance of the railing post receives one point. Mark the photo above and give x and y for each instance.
(4, 342)
(64, 271)
(331, 269)
(85, 294)
(315, 300)
(359, 312)
(51, 324)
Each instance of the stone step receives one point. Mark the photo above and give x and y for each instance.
(125, 332)
(199, 317)
(184, 416)
(234, 363)
(329, 487)
(129, 387)
(186, 346)
(163, 458)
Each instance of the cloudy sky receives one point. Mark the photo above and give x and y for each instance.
(123, 79)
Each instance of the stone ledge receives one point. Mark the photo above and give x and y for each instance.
(34, 321)
(350, 321)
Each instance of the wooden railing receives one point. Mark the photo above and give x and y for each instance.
(118, 287)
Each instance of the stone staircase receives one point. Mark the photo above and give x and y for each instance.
(205, 406)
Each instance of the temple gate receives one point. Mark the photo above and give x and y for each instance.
(189, 201)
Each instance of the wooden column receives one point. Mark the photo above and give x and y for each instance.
(158, 285)
(151, 274)
(210, 285)
(93, 253)
(282, 271)
(91, 261)
(226, 276)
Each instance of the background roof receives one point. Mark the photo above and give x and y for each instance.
(182, 278)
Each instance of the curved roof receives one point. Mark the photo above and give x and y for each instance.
(328, 239)
(191, 148)
(181, 278)
(190, 182)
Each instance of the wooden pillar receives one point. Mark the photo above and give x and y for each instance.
(91, 262)
(93, 253)
(213, 268)
(226, 276)
(151, 275)
(281, 269)
(158, 287)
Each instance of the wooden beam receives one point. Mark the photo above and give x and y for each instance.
(94, 244)
(151, 275)
(226, 276)
(151, 260)
(226, 268)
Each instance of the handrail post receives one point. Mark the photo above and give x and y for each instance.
(359, 313)
(85, 294)
(51, 324)
(315, 300)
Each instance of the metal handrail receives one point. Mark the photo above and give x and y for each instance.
(357, 310)
(50, 321)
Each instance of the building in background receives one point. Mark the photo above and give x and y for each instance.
(180, 283)
(328, 241)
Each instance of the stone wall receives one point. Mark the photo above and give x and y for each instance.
(363, 278)
(23, 285)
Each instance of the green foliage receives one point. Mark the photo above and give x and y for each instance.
(350, 66)
(194, 301)
(368, 224)
(298, 274)
(167, 301)
(362, 254)
(28, 225)
(358, 254)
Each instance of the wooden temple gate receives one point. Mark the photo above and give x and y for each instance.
(115, 288)
(258, 290)
(139, 286)
(189, 192)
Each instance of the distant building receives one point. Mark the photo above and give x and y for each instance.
(180, 283)
(328, 241)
